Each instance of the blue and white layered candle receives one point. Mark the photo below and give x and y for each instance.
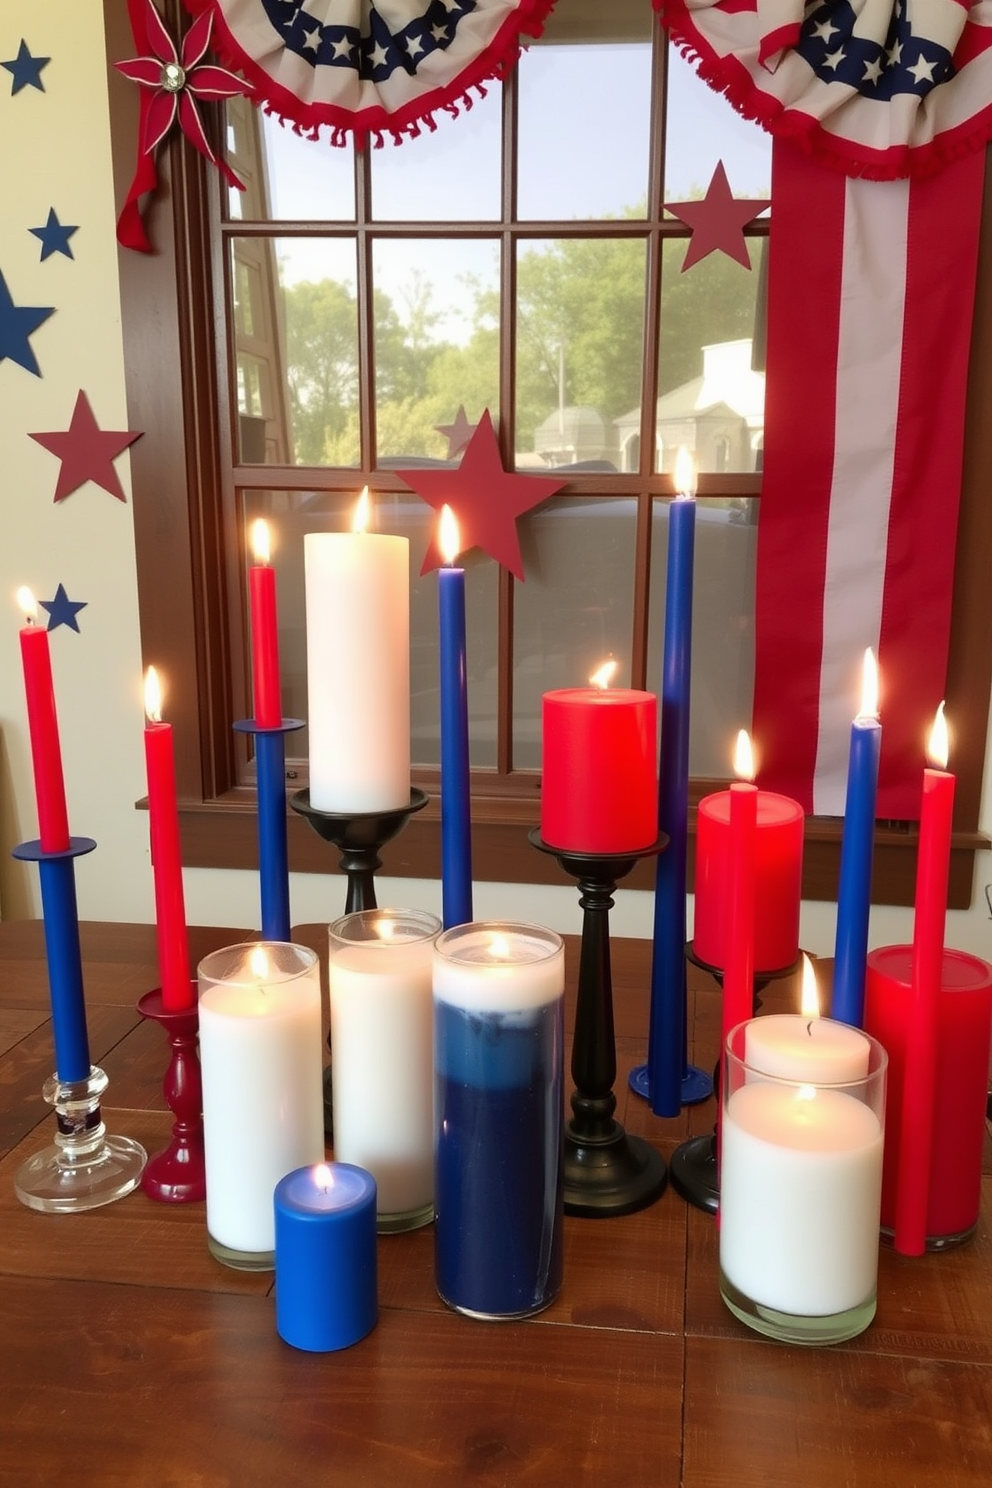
(498, 1062)
(857, 848)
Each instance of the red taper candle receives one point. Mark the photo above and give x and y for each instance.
(163, 827)
(43, 728)
(738, 972)
(267, 698)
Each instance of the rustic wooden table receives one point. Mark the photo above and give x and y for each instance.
(128, 1357)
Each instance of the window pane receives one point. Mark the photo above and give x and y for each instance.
(286, 175)
(722, 627)
(296, 350)
(292, 514)
(584, 137)
(580, 325)
(436, 340)
(575, 609)
(703, 128)
(711, 396)
(450, 175)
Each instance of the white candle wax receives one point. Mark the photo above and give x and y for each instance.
(501, 971)
(800, 1189)
(260, 1053)
(383, 1065)
(791, 1046)
(358, 670)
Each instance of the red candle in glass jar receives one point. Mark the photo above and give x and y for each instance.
(963, 1025)
(599, 784)
(778, 868)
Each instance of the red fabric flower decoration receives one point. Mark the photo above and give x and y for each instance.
(172, 80)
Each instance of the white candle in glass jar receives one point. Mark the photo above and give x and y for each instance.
(382, 1056)
(358, 670)
(791, 1046)
(261, 1058)
(800, 1190)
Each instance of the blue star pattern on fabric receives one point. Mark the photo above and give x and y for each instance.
(904, 63)
(375, 51)
(17, 324)
(54, 236)
(25, 69)
(62, 610)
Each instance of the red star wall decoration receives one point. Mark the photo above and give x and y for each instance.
(717, 221)
(87, 452)
(486, 499)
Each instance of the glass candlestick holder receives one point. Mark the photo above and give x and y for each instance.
(84, 1167)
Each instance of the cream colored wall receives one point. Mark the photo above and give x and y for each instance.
(54, 151)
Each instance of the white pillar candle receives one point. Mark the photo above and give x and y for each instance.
(382, 1056)
(794, 1047)
(800, 1189)
(260, 1052)
(358, 670)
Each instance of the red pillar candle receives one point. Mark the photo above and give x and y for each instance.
(163, 827)
(599, 784)
(267, 698)
(953, 1185)
(778, 866)
(43, 728)
(918, 1100)
(738, 974)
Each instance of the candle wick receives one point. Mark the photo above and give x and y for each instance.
(809, 1028)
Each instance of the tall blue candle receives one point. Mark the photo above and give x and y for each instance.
(498, 1060)
(666, 1034)
(456, 808)
(65, 962)
(857, 847)
(273, 863)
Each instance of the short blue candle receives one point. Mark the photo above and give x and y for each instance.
(456, 811)
(666, 1036)
(326, 1283)
(854, 888)
(273, 863)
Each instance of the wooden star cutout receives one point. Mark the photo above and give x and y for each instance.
(717, 221)
(87, 452)
(486, 499)
(457, 434)
(62, 610)
(18, 324)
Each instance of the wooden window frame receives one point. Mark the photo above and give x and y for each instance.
(192, 612)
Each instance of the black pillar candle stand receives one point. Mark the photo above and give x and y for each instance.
(693, 1164)
(359, 837)
(607, 1171)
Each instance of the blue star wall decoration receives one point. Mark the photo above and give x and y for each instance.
(17, 324)
(62, 610)
(54, 236)
(25, 69)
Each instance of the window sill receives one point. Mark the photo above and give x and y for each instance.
(223, 834)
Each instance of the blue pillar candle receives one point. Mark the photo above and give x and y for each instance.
(456, 805)
(857, 848)
(498, 1060)
(326, 1290)
(666, 1036)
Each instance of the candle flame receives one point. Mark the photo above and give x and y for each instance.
(743, 756)
(323, 1177)
(448, 536)
(258, 963)
(604, 676)
(28, 604)
(363, 512)
(260, 548)
(685, 474)
(869, 686)
(806, 1093)
(385, 929)
(153, 696)
(810, 1003)
(499, 948)
(937, 744)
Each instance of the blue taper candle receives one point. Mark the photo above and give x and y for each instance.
(65, 964)
(273, 862)
(857, 847)
(456, 806)
(666, 1035)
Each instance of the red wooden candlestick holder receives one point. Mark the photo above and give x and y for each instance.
(177, 1175)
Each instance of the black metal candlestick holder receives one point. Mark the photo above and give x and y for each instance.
(693, 1165)
(359, 837)
(607, 1171)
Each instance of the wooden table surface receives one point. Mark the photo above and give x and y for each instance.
(129, 1357)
